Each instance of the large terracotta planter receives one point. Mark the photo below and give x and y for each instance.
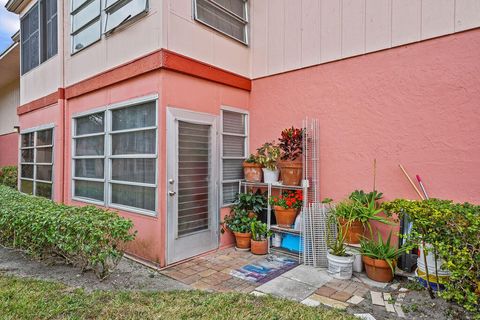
(242, 240)
(291, 172)
(252, 172)
(353, 230)
(285, 217)
(378, 270)
(259, 247)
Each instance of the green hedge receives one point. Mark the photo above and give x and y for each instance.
(454, 231)
(87, 237)
(9, 176)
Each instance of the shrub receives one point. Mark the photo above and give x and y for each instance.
(453, 230)
(8, 176)
(88, 237)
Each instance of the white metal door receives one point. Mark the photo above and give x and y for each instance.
(191, 184)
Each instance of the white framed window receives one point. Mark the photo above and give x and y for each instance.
(118, 12)
(115, 156)
(85, 22)
(36, 161)
(229, 17)
(234, 149)
(39, 34)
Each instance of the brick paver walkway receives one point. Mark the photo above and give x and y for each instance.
(212, 272)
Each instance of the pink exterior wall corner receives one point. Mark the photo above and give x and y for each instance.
(8, 149)
(415, 105)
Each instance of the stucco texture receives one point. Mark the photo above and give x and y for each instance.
(416, 105)
(8, 149)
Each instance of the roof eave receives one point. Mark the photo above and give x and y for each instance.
(16, 6)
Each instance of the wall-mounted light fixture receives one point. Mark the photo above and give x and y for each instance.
(16, 129)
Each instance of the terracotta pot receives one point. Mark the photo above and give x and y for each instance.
(259, 247)
(285, 217)
(353, 230)
(242, 239)
(252, 172)
(378, 270)
(291, 172)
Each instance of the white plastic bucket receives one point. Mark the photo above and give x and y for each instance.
(430, 262)
(357, 262)
(270, 176)
(340, 267)
(277, 240)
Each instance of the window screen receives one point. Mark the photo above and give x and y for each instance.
(234, 148)
(227, 16)
(30, 33)
(36, 163)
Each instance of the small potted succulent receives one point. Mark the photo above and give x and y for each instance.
(355, 214)
(260, 234)
(379, 258)
(268, 156)
(240, 224)
(340, 261)
(252, 169)
(286, 207)
(291, 165)
(252, 203)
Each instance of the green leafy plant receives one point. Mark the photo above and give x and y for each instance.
(238, 221)
(366, 198)
(9, 176)
(381, 250)
(288, 199)
(291, 143)
(335, 233)
(268, 155)
(259, 231)
(253, 158)
(452, 229)
(251, 202)
(88, 237)
(352, 210)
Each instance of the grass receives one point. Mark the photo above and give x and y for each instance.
(22, 298)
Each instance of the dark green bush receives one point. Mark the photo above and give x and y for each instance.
(453, 229)
(88, 237)
(8, 176)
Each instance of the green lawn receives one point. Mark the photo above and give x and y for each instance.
(33, 299)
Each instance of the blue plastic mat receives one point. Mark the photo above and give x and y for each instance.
(265, 270)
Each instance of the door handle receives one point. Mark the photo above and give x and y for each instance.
(171, 193)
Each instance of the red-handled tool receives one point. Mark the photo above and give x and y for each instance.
(422, 187)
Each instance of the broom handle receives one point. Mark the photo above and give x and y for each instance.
(411, 182)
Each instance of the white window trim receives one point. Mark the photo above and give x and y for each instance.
(107, 156)
(124, 23)
(232, 14)
(246, 151)
(34, 163)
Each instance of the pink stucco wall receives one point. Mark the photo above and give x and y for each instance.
(417, 105)
(8, 149)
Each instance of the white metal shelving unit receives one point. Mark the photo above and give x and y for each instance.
(244, 185)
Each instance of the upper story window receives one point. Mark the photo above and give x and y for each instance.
(39, 30)
(87, 23)
(227, 16)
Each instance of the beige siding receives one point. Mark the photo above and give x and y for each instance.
(308, 32)
(9, 101)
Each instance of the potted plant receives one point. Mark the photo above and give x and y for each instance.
(286, 207)
(252, 203)
(340, 262)
(379, 258)
(268, 155)
(356, 213)
(291, 165)
(240, 224)
(252, 169)
(260, 234)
